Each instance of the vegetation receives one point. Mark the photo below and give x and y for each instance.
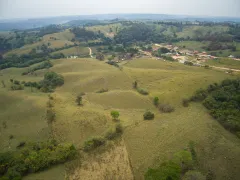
(223, 102)
(79, 100)
(182, 163)
(51, 81)
(93, 143)
(156, 101)
(46, 64)
(102, 90)
(148, 115)
(113, 133)
(166, 108)
(34, 157)
(115, 115)
(142, 91)
(185, 102)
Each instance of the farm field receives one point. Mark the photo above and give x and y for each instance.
(144, 143)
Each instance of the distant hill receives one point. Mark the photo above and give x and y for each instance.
(22, 24)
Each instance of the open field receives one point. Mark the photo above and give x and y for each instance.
(224, 62)
(77, 51)
(145, 143)
(105, 29)
(192, 31)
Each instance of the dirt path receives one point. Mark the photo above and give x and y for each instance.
(90, 52)
(223, 68)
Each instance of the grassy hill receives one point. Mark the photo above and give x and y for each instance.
(55, 40)
(144, 143)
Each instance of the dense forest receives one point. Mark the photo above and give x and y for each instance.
(223, 102)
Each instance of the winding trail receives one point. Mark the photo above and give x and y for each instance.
(90, 52)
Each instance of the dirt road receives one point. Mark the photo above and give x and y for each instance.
(90, 52)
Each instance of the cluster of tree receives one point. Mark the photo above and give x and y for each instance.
(133, 33)
(34, 157)
(17, 39)
(44, 65)
(49, 83)
(82, 34)
(183, 165)
(26, 60)
(223, 102)
(216, 45)
(15, 85)
(49, 30)
(95, 142)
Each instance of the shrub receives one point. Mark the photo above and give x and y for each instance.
(119, 128)
(93, 143)
(142, 91)
(135, 85)
(148, 115)
(51, 80)
(189, 63)
(50, 115)
(185, 102)
(16, 87)
(115, 114)
(102, 90)
(79, 100)
(199, 95)
(156, 101)
(168, 170)
(114, 132)
(190, 175)
(166, 108)
(21, 144)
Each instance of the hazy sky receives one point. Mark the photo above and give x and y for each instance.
(43, 8)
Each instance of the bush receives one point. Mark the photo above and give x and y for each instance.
(93, 143)
(166, 108)
(79, 100)
(168, 170)
(50, 115)
(156, 101)
(148, 115)
(15, 87)
(102, 90)
(185, 102)
(142, 91)
(115, 114)
(114, 132)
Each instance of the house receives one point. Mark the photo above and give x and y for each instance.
(231, 56)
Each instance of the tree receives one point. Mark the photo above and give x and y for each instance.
(148, 115)
(79, 100)
(135, 85)
(100, 56)
(115, 115)
(156, 101)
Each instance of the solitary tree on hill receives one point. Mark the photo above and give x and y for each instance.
(115, 115)
(79, 100)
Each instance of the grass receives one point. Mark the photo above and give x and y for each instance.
(192, 45)
(145, 143)
(224, 62)
(77, 51)
(62, 38)
(105, 29)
